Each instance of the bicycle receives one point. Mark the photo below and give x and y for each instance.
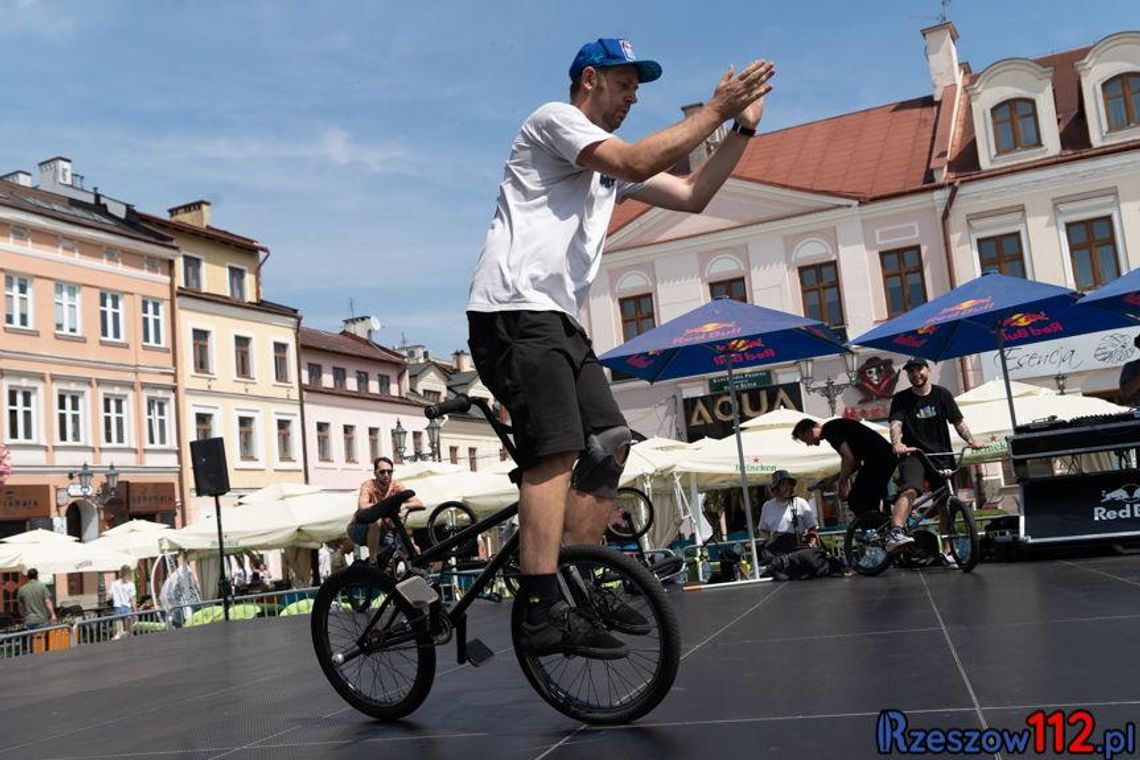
(865, 541)
(375, 627)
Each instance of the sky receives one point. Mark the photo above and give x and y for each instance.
(363, 142)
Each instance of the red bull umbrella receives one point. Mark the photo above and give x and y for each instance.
(1122, 295)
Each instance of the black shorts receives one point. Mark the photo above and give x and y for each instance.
(870, 486)
(541, 366)
(915, 475)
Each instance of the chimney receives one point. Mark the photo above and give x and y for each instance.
(54, 172)
(20, 177)
(361, 327)
(942, 56)
(461, 360)
(701, 153)
(196, 213)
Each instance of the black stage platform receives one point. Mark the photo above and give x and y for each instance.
(791, 670)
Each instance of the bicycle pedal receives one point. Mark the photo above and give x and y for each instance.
(417, 592)
(478, 653)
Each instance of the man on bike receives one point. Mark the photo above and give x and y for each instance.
(565, 172)
(919, 416)
(379, 487)
(862, 453)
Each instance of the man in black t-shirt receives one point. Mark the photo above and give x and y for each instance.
(919, 416)
(860, 449)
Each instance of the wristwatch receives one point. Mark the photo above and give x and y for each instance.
(743, 130)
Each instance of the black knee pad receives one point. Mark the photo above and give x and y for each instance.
(599, 468)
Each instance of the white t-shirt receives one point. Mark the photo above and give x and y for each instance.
(122, 593)
(545, 243)
(776, 516)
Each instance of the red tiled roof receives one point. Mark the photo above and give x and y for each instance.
(347, 344)
(215, 233)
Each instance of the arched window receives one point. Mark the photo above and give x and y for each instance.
(1015, 125)
(1122, 101)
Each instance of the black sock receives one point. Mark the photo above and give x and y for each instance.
(540, 592)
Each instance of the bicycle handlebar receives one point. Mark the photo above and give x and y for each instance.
(457, 405)
(461, 404)
(957, 456)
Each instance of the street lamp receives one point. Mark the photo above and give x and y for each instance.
(829, 388)
(99, 498)
(399, 438)
(1060, 379)
(433, 437)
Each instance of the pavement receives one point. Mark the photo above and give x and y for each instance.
(799, 669)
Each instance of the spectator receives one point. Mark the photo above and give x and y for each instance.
(380, 486)
(34, 600)
(787, 520)
(123, 601)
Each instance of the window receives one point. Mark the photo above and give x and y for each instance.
(203, 425)
(201, 349)
(1092, 250)
(350, 443)
(110, 315)
(152, 265)
(20, 236)
(192, 272)
(340, 378)
(247, 448)
(151, 322)
(17, 301)
(281, 362)
(373, 443)
(453, 454)
(285, 440)
(472, 458)
(69, 246)
(315, 372)
(903, 280)
(69, 413)
(157, 422)
(21, 414)
(1015, 125)
(362, 381)
(111, 257)
(243, 366)
(115, 420)
(385, 383)
(66, 308)
(433, 396)
(1002, 254)
(237, 283)
(733, 289)
(324, 447)
(819, 287)
(636, 315)
(1122, 101)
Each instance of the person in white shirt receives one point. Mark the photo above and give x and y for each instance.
(565, 172)
(123, 600)
(787, 515)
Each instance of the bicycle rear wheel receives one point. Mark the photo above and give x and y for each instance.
(606, 691)
(374, 647)
(633, 516)
(963, 535)
(863, 544)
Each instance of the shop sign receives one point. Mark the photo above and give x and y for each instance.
(148, 498)
(711, 416)
(742, 381)
(23, 502)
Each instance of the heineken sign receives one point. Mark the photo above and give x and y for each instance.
(711, 416)
(742, 381)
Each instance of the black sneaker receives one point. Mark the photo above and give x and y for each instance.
(897, 539)
(618, 615)
(566, 630)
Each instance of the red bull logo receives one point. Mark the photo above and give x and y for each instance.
(969, 306)
(927, 329)
(1024, 319)
(1133, 299)
(707, 331)
(709, 327)
(739, 346)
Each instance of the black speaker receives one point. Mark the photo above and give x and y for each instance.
(208, 457)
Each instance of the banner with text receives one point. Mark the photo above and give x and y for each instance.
(1066, 356)
(711, 416)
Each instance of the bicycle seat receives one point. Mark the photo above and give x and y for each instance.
(410, 510)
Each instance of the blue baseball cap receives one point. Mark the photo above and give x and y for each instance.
(610, 51)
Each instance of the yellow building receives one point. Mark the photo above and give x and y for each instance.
(237, 357)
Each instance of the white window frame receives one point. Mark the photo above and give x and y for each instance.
(19, 236)
(152, 323)
(379, 450)
(1066, 212)
(115, 394)
(112, 258)
(258, 461)
(230, 268)
(78, 414)
(1001, 224)
(201, 273)
(288, 363)
(116, 312)
(355, 443)
(211, 351)
(317, 440)
(28, 301)
(69, 310)
(252, 358)
(212, 412)
(31, 411)
(164, 440)
(278, 462)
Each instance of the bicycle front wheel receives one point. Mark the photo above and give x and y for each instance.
(863, 544)
(963, 535)
(632, 517)
(594, 578)
(374, 648)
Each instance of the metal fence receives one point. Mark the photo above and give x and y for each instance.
(35, 641)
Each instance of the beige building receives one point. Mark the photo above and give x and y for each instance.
(237, 357)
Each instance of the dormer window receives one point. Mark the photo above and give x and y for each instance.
(1122, 101)
(1015, 125)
